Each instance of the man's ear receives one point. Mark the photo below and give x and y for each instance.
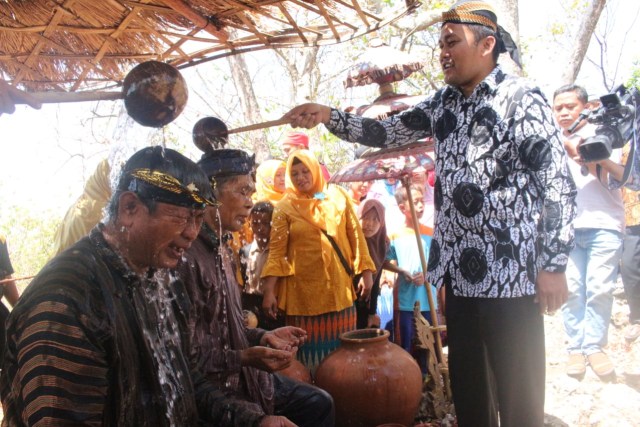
(128, 207)
(488, 43)
(402, 207)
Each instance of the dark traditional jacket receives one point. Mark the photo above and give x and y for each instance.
(216, 322)
(92, 343)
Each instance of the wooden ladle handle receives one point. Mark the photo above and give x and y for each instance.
(257, 126)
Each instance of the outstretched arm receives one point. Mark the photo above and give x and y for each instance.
(401, 129)
(10, 96)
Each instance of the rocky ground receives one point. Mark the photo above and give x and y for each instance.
(592, 402)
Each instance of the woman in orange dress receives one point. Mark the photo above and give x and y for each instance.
(316, 289)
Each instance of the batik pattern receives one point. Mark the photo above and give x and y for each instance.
(504, 196)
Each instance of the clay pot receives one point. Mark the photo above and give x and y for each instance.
(371, 380)
(297, 371)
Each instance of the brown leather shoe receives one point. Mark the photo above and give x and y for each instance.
(576, 365)
(601, 364)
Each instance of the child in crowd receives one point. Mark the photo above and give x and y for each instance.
(403, 252)
(252, 259)
(358, 191)
(371, 215)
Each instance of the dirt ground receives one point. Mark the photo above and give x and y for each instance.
(589, 402)
(592, 402)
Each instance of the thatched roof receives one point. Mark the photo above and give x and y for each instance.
(85, 45)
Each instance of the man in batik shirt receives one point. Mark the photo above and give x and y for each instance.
(504, 203)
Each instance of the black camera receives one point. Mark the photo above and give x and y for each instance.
(615, 119)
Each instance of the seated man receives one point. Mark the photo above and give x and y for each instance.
(99, 336)
(233, 357)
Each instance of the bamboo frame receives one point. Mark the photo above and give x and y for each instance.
(84, 45)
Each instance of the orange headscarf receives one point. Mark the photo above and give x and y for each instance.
(265, 181)
(325, 205)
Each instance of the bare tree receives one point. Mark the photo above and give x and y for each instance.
(249, 103)
(610, 71)
(583, 37)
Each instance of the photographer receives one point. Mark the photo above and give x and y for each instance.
(599, 226)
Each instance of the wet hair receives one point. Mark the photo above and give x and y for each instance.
(580, 92)
(481, 32)
(159, 159)
(401, 193)
(262, 207)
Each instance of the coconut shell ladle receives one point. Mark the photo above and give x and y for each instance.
(211, 131)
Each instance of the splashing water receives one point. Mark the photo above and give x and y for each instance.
(164, 339)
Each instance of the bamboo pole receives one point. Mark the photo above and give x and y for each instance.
(435, 328)
(59, 97)
(15, 279)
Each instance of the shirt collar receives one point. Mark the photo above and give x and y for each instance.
(115, 259)
(210, 238)
(488, 85)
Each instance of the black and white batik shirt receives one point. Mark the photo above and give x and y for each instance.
(504, 196)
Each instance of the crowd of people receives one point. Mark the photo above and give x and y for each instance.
(144, 320)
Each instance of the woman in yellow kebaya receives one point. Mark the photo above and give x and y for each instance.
(270, 181)
(316, 291)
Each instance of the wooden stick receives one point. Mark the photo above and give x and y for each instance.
(423, 261)
(59, 97)
(5, 281)
(262, 125)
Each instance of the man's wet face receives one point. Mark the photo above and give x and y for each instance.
(159, 239)
(236, 203)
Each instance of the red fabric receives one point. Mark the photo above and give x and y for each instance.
(431, 177)
(325, 172)
(296, 138)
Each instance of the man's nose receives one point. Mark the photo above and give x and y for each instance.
(192, 229)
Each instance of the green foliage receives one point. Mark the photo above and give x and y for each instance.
(634, 80)
(30, 239)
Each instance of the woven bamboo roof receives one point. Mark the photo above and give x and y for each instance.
(87, 45)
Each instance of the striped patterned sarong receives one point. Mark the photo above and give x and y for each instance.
(323, 334)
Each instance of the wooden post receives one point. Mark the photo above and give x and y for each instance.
(416, 227)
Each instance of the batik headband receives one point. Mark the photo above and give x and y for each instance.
(162, 187)
(482, 13)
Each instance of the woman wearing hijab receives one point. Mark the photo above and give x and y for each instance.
(316, 247)
(270, 182)
(371, 214)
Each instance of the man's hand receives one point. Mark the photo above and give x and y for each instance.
(10, 96)
(308, 115)
(266, 359)
(285, 338)
(276, 421)
(551, 291)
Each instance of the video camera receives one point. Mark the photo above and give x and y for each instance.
(616, 118)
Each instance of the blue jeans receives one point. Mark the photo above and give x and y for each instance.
(591, 275)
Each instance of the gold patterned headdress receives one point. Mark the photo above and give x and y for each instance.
(167, 189)
(472, 12)
(482, 13)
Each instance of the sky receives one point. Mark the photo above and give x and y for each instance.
(46, 155)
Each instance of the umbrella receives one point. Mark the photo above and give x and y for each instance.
(382, 64)
(397, 163)
(387, 163)
(388, 104)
